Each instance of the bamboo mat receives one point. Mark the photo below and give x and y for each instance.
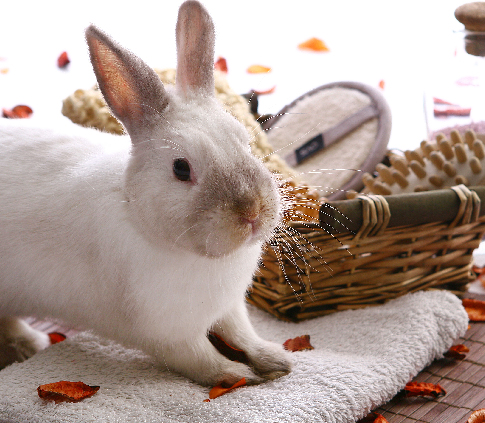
(464, 381)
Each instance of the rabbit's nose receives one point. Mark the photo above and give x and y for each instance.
(251, 217)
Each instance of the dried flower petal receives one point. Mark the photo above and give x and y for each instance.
(63, 60)
(65, 391)
(219, 390)
(475, 309)
(4, 71)
(478, 416)
(382, 84)
(258, 69)
(313, 44)
(56, 337)
(457, 352)
(413, 389)
(300, 343)
(373, 418)
(18, 112)
(221, 64)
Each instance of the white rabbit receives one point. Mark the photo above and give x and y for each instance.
(150, 239)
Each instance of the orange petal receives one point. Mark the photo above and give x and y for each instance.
(66, 391)
(221, 64)
(413, 389)
(313, 44)
(219, 390)
(63, 60)
(299, 343)
(18, 112)
(457, 352)
(478, 416)
(258, 69)
(56, 337)
(373, 418)
(475, 309)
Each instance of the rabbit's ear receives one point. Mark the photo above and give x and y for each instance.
(195, 49)
(133, 91)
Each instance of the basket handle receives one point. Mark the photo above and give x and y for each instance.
(375, 215)
(417, 208)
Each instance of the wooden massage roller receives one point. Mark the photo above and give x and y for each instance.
(434, 165)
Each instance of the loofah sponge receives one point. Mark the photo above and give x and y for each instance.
(87, 108)
(440, 164)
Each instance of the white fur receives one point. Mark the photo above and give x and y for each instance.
(96, 230)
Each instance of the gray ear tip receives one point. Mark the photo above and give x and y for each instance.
(92, 31)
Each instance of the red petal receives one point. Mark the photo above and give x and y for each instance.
(300, 343)
(373, 418)
(221, 64)
(258, 69)
(457, 352)
(56, 337)
(478, 416)
(219, 390)
(66, 391)
(18, 112)
(475, 309)
(313, 44)
(63, 60)
(413, 389)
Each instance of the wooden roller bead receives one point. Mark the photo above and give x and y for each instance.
(413, 155)
(427, 148)
(440, 137)
(418, 169)
(400, 178)
(436, 181)
(478, 149)
(385, 174)
(446, 148)
(470, 138)
(456, 137)
(475, 165)
(449, 169)
(381, 189)
(400, 164)
(437, 159)
(460, 153)
(460, 179)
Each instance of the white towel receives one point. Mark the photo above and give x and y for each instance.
(361, 359)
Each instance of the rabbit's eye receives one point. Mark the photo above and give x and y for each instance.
(181, 169)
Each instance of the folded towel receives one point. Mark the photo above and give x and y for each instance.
(362, 358)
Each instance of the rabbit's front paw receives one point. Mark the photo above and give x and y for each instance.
(270, 361)
(18, 341)
(234, 372)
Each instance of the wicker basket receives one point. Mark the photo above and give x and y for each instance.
(369, 250)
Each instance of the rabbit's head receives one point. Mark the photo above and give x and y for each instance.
(191, 182)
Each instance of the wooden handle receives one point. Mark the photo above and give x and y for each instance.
(406, 209)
